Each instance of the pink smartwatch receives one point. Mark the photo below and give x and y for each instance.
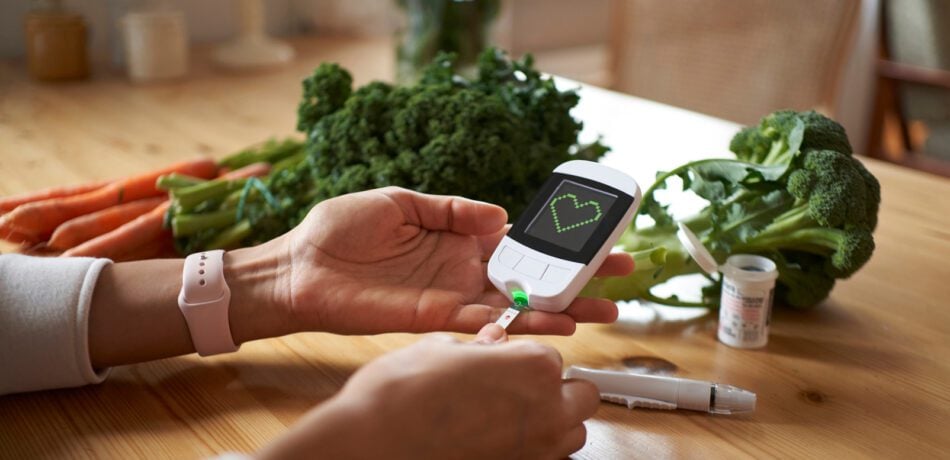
(204, 301)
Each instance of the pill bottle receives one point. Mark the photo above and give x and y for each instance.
(748, 288)
(745, 307)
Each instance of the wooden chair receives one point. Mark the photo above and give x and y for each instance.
(734, 59)
(890, 136)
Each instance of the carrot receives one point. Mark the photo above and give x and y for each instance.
(136, 239)
(39, 250)
(9, 203)
(133, 240)
(127, 237)
(38, 219)
(83, 228)
(252, 170)
(14, 236)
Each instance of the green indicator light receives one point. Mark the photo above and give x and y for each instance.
(520, 297)
(573, 198)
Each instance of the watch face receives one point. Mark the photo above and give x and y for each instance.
(571, 217)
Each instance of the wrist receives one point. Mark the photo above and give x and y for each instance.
(134, 314)
(255, 277)
(334, 429)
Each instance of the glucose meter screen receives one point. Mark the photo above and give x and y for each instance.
(570, 215)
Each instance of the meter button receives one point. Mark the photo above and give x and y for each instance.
(531, 267)
(509, 257)
(555, 275)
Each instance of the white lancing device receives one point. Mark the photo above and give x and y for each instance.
(564, 235)
(661, 392)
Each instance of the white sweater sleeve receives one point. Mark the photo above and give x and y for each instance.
(44, 317)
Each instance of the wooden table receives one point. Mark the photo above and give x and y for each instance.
(864, 375)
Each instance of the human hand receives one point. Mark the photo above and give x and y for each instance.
(391, 260)
(440, 398)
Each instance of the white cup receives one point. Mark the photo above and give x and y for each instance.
(156, 45)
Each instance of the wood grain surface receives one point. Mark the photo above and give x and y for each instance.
(864, 375)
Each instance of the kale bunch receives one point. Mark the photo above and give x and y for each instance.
(495, 137)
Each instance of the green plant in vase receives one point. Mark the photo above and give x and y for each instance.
(461, 27)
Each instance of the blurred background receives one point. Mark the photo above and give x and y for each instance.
(880, 67)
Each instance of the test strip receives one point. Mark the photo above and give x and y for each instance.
(507, 317)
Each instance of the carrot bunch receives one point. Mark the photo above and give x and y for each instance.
(122, 219)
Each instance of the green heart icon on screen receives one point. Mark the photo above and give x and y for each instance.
(557, 220)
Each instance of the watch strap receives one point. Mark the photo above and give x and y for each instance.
(204, 301)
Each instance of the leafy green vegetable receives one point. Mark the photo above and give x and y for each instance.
(494, 138)
(795, 194)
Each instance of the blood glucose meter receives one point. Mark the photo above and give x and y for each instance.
(560, 240)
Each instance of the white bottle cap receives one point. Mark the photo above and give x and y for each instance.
(745, 304)
(696, 250)
(749, 268)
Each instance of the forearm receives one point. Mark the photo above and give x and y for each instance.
(337, 428)
(134, 316)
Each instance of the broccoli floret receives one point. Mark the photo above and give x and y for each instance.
(804, 280)
(809, 207)
(836, 203)
(751, 144)
(837, 188)
(823, 133)
(781, 135)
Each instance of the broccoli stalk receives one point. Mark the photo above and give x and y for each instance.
(654, 266)
(810, 209)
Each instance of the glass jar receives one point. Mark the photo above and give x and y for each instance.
(56, 45)
(462, 27)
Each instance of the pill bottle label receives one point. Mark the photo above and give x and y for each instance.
(744, 316)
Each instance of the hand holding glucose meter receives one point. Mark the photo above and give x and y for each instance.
(561, 239)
